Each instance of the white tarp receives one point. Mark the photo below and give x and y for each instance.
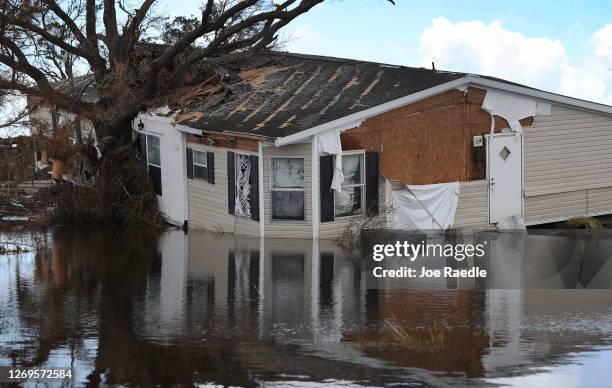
(329, 142)
(510, 107)
(433, 208)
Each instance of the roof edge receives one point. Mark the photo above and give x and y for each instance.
(355, 119)
(541, 95)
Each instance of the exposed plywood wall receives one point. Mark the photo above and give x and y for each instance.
(429, 141)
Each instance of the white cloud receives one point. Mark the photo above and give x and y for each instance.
(541, 62)
(602, 40)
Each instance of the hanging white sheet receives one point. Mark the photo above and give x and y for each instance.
(510, 107)
(329, 142)
(435, 207)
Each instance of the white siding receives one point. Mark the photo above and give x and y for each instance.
(568, 151)
(208, 203)
(599, 201)
(288, 229)
(473, 207)
(542, 209)
(568, 166)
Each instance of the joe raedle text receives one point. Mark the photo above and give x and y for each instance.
(446, 272)
(423, 251)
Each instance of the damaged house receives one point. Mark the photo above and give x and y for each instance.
(290, 145)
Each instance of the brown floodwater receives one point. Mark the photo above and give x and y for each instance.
(139, 308)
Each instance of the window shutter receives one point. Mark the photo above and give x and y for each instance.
(231, 182)
(326, 175)
(142, 146)
(210, 160)
(254, 182)
(372, 162)
(189, 163)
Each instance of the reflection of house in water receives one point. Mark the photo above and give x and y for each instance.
(242, 311)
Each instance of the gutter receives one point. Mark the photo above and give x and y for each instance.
(200, 132)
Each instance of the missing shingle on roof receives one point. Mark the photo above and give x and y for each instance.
(367, 90)
(353, 82)
(290, 99)
(288, 122)
(187, 117)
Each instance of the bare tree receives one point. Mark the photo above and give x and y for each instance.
(46, 41)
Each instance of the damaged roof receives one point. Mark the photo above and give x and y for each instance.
(276, 94)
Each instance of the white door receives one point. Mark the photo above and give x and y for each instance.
(505, 173)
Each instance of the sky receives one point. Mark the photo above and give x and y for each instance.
(562, 46)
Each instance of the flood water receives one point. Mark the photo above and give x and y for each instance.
(136, 308)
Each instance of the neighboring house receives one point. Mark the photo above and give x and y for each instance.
(253, 150)
(48, 121)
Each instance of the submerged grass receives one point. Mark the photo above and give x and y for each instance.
(433, 341)
(588, 223)
(395, 336)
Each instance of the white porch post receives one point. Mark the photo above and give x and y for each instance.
(314, 160)
(260, 174)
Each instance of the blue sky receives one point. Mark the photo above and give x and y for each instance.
(560, 46)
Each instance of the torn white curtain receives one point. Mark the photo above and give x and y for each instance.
(329, 142)
(243, 189)
(437, 201)
(510, 107)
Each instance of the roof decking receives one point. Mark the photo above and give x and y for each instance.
(279, 94)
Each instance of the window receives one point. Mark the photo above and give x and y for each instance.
(243, 186)
(153, 151)
(287, 188)
(153, 159)
(200, 165)
(349, 202)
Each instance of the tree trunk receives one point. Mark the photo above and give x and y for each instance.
(122, 192)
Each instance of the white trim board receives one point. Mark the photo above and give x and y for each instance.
(355, 119)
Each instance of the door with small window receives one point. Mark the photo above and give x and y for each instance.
(505, 172)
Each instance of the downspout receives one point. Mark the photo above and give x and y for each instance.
(467, 136)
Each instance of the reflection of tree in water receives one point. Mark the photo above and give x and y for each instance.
(61, 303)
